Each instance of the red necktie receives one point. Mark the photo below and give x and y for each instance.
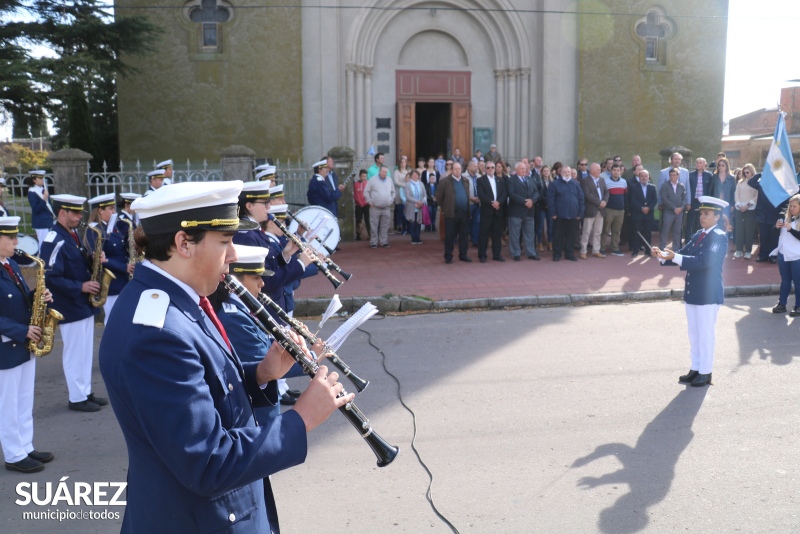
(700, 238)
(206, 307)
(11, 273)
(75, 238)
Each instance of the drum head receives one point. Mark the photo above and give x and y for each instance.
(317, 217)
(28, 244)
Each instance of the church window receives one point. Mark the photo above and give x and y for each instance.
(208, 17)
(654, 30)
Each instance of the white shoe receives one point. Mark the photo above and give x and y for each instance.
(747, 255)
(737, 254)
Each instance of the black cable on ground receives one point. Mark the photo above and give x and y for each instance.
(429, 493)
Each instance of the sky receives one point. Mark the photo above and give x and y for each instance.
(760, 60)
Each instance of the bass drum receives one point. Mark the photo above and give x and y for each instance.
(314, 216)
(29, 245)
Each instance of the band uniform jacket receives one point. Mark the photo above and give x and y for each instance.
(446, 196)
(520, 190)
(67, 267)
(321, 193)
(41, 212)
(639, 201)
(709, 187)
(15, 316)
(591, 199)
(196, 457)
(487, 197)
(703, 265)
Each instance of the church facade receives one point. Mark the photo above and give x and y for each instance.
(556, 78)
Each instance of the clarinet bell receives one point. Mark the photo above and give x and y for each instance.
(346, 276)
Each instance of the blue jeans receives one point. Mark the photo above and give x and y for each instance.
(413, 229)
(790, 273)
(539, 217)
(474, 223)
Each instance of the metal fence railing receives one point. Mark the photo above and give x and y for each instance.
(133, 179)
(295, 177)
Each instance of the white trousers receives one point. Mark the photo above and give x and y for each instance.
(77, 358)
(41, 233)
(16, 410)
(110, 300)
(702, 335)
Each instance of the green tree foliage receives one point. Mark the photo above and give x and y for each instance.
(74, 83)
(17, 158)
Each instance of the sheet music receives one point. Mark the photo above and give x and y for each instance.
(357, 319)
(334, 306)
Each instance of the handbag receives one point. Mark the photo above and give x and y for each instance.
(426, 215)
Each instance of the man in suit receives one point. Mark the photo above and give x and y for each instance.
(643, 201)
(595, 194)
(472, 176)
(323, 189)
(493, 195)
(522, 197)
(566, 201)
(180, 393)
(674, 204)
(705, 186)
(69, 277)
(702, 258)
(453, 199)
(683, 176)
(17, 364)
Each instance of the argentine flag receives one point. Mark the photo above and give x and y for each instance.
(779, 180)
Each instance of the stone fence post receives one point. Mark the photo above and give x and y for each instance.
(69, 171)
(237, 163)
(343, 159)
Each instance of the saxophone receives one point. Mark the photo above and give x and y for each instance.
(99, 274)
(133, 256)
(40, 315)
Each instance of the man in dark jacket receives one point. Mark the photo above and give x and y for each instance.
(643, 201)
(766, 217)
(493, 195)
(566, 201)
(453, 199)
(522, 197)
(705, 186)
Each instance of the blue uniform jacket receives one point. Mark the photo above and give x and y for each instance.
(41, 216)
(15, 316)
(197, 458)
(565, 199)
(703, 266)
(116, 254)
(65, 273)
(320, 192)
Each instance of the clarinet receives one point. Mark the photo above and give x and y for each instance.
(311, 339)
(321, 265)
(383, 450)
(300, 224)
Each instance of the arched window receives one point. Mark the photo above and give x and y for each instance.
(654, 30)
(208, 18)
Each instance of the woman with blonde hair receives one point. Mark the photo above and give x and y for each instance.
(789, 257)
(399, 176)
(744, 222)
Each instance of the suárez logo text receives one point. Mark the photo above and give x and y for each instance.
(96, 494)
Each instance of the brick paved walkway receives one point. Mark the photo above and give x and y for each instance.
(406, 270)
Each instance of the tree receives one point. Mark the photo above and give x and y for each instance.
(75, 89)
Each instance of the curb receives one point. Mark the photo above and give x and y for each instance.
(414, 304)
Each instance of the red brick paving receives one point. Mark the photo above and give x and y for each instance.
(406, 269)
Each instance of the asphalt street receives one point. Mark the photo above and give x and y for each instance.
(545, 420)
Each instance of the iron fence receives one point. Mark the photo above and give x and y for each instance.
(135, 180)
(295, 177)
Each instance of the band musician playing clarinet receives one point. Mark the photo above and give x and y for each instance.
(181, 394)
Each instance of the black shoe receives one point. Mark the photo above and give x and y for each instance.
(634, 253)
(100, 401)
(702, 380)
(43, 457)
(385, 245)
(482, 260)
(499, 258)
(294, 393)
(534, 257)
(466, 259)
(373, 246)
(556, 258)
(773, 260)
(762, 260)
(571, 257)
(85, 406)
(287, 400)
(448, 262)
(516, 258)
(780, 308)
(795, 312)
(26, 465)
(688, 377)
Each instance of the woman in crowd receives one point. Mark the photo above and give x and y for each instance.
(415, 199)
(420, 165)
(399, 176)
(745, 199)
(500, 170)
(789, 257)
(544, 238)
(555, 172)
(430, 179)
(726, 187)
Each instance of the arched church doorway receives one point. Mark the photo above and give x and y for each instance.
(434, 113)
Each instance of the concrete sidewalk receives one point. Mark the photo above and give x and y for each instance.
(406, 277)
